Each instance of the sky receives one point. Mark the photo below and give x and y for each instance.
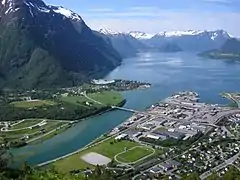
(153, 16)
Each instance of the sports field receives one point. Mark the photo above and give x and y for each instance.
(32, 104)
(134, 154)
(108, 148)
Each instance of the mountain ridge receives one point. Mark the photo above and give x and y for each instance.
(49, 47)
(190, 40)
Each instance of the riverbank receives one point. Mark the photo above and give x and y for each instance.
(91, 144)
(233, 97)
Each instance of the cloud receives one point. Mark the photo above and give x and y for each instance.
(219, 1)
(154, 19)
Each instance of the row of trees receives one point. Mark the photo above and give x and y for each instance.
(64, 111)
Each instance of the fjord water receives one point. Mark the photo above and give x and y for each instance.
(168, 73)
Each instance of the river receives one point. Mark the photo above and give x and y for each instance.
(168, 73)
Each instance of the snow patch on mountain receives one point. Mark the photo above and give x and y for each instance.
(109, 31)
(3, 2)
(212, 34)
(179, 33)
(39, 8)
(66, 12)
(213, 37)
(10, 6)
(140, 35)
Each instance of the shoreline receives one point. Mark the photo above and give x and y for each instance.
(122, 103)
(229, 97)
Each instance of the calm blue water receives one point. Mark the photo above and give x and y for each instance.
(168, 73)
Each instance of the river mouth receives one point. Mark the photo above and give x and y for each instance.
(168, 73)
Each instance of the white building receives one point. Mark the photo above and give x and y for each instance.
(152, 136)
(121, 136)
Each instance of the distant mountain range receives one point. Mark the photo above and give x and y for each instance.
(190, 40)
(229, 50)
(49, 46)
(125, 44)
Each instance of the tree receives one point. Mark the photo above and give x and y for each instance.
(193, 176)
(4, 158)
(214, 176)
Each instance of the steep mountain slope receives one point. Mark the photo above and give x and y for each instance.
(124, 43)
(43, 46)
(229, 50)
(190, 40)
(170, 47)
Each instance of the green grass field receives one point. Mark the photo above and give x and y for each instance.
(76, 100)
(105, 97)
(134, 154)
(32, 104)
(106, 148)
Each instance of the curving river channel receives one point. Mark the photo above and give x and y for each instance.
(168, 73)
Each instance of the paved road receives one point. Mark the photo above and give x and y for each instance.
(12, 130)
(221, 166)
(86, 96)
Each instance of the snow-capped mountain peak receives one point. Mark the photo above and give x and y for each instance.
(140, 35)
(36, 6)
(212, 34)
(179, 33)
(66, 12)
(109, 31)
